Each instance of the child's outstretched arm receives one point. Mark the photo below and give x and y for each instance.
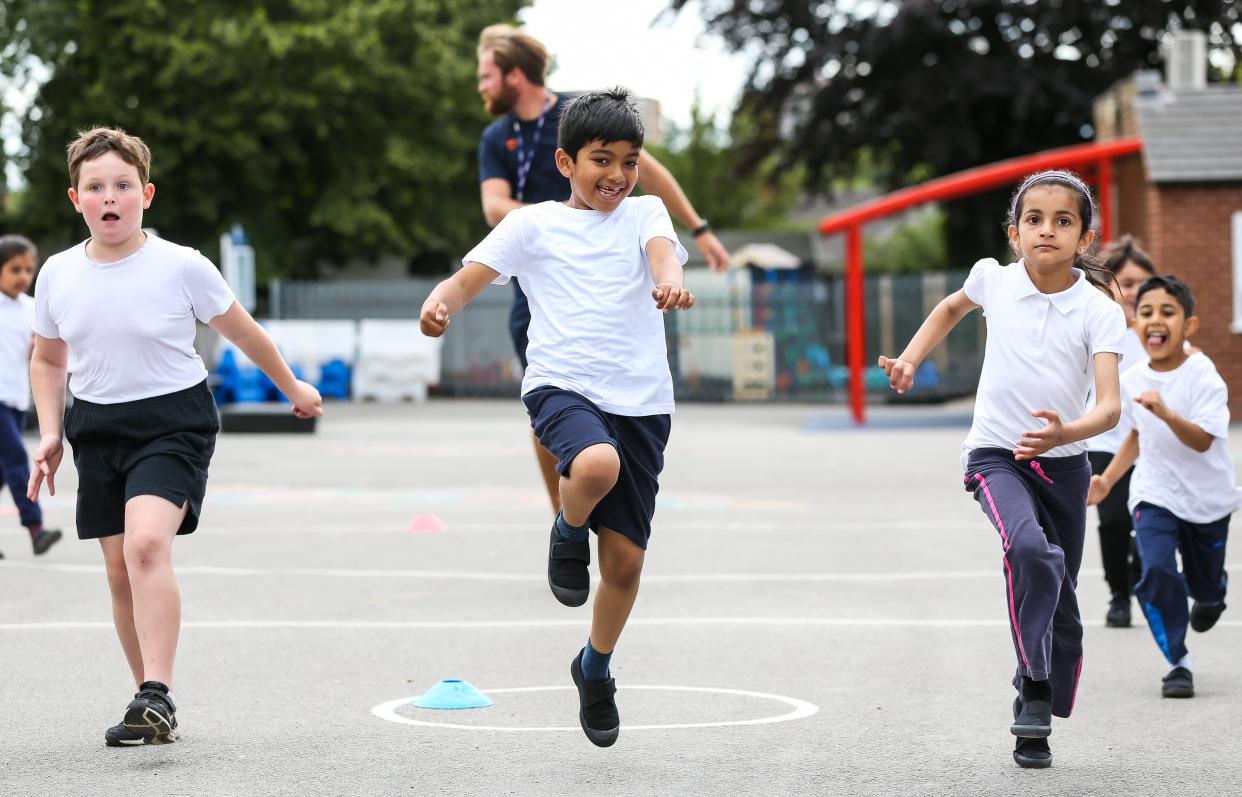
(669, 292)
(939, 323)
(49, 365)
(240, 327)
(451, 295)
(1123, 460)
(1190, 434)
(1098, 420)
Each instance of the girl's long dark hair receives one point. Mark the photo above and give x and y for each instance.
(12, 246)
(1091, 264)
(1126, 250)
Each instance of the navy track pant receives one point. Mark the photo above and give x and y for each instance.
(1039, 510)
(1162, 590)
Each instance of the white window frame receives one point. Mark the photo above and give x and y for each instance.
(1236, 225)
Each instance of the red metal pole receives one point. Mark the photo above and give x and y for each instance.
(855, 329)
(1104, 174)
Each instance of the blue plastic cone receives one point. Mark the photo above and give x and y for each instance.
(453, 693)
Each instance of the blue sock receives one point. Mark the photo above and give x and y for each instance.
(571, 533)
(594, 663)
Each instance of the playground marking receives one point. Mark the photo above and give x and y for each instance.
(585, 622)
(441, 575)
(800, 709)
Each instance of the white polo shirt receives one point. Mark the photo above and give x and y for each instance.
(1198, 487)
(1040, 352)
(16, 320)
(1111, 440)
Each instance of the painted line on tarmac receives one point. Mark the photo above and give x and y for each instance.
(508, 529)
(801, 709)
(653, 578)
(467, 625)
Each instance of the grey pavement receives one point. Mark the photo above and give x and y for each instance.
(796, 565)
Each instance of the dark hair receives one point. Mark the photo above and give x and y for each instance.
(605, 115)
(1090, 263)
(1174, 287)
(12, 246)
(1126, 250)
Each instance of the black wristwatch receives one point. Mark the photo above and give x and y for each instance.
(702, 228)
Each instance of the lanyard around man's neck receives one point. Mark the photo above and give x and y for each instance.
(524, 158)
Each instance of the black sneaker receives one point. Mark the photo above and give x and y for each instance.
(567, 569)
(152, 714)
(1178, 683)
(1203, 617)
(598, 713)
(1118, 611)
(1030, 753)
(45, 539)
(120, 736)
(1032, 719)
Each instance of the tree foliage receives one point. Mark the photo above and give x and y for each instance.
(941, 85)
(705, 164)
(330, 130)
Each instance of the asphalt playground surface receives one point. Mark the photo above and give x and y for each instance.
(822, 612)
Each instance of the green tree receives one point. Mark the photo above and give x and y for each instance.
(705, 163)
(935, 86)
(329, 129)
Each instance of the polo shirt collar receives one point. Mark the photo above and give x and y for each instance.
(1067, 301)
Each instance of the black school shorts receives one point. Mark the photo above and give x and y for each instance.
(154, 446)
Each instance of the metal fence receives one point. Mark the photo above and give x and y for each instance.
(767, 336)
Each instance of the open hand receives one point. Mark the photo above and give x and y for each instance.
(1034, 444)
(46, 459)
(433, 319)
(307, 403)
(1150, 400)
(671, 296)
(900, 373)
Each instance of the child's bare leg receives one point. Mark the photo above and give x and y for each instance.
(151, 523)
(122, 602)
(620, 565)
(547, 469)
(591, 475)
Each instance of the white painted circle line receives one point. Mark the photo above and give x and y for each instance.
(801, 709)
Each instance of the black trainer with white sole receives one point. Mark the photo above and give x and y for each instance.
(120, 736)
(567, 569)
(152, 714)
(1030, 753)
(597, 713)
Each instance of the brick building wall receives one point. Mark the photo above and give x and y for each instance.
(1186, 228)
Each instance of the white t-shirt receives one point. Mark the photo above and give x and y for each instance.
(1198, 487)
(1111, 440)
(594, 328)
(130, 324)
(16, 320)
(1040, 352)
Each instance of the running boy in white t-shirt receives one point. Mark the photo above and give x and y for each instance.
(598, 270)
(1184, 486)
(17, 268)
(118, 313)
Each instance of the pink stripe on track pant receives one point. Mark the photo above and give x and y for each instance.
(1039, 510)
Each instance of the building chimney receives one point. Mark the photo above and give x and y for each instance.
(1185, 60)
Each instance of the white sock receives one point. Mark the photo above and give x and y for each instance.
(1184, 661)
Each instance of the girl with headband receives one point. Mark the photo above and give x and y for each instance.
(1053, 333)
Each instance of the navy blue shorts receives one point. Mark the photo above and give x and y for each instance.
(566, 423)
